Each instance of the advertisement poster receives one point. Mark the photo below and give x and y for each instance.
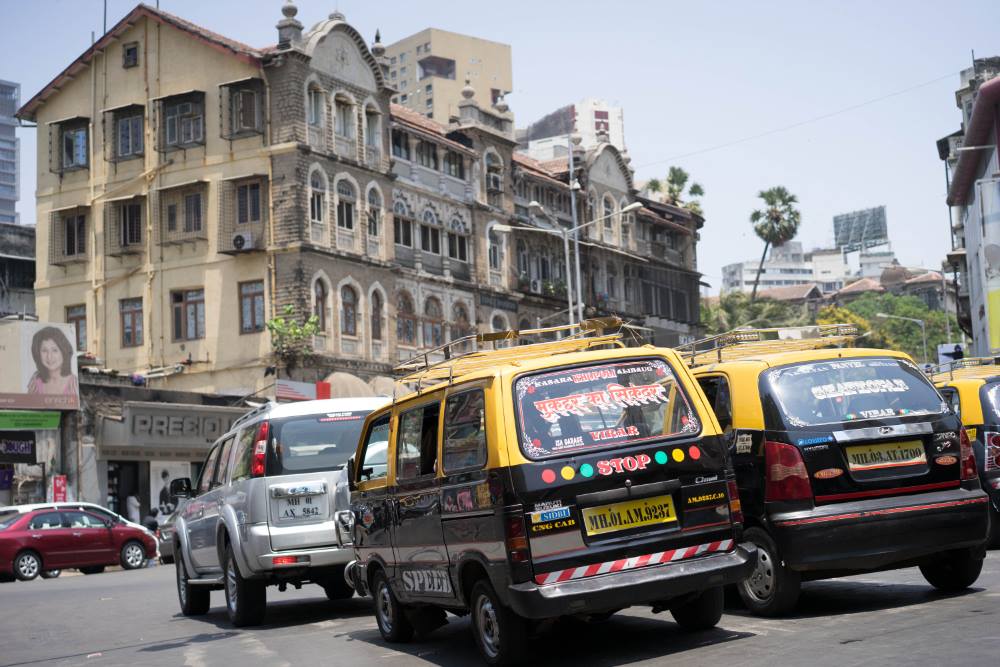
(161, 473)
(39, 362)
(59, 488)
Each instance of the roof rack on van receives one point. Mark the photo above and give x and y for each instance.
(253, 413)
(465, 355)
(742, 343)
(959, 368)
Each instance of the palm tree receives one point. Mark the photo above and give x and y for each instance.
(775, 225)
(674, 194)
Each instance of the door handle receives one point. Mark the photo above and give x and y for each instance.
(77, 534)
(36, 537)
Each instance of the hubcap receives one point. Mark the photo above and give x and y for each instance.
(489, 630)
(384, 607)
(181, 582)
(27, 565)
(133, 555)
(760, 584)
(231, 585)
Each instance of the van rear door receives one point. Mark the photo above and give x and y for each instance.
(620, 475)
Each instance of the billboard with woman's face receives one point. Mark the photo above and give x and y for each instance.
(39, 366)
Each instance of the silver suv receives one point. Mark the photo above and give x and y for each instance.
(265, 508)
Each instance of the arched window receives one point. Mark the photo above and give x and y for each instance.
(402, 225)
(374, 212)
(406, 321)
(348, 311)
(498, 323)
(495, 251)
(319, 304)
(460, 325)
(317, 198)
(523, 266)
(373, 128)
(346, 199)
(376, 315)
(609, 215)
(433, 323)
(430, 233)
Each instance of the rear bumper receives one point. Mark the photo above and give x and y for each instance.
(260, 557)
(632, 587)
(874, 534)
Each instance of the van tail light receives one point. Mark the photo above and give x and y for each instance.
(735, 507)
(516, 538)
(968, 458)
(992, 459)
(787, 478)
(260, 450)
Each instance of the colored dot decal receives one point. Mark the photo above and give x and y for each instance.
(531, 389)
(536, 442)
(548, 476)
(694, 452)
(587, 470)
(678, 455)
(661, 457)
(567, 473)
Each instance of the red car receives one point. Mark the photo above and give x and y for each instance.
(43, 540)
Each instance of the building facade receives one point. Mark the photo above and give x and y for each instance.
(428, 70)
(10, 152)
(17, 269)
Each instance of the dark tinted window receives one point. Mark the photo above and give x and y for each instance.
(374, 457)
(416, 442)
(465, 431)
(207, 470)
(620, 403)
(244, 453)
(315, 442)
(846, 390)
(716, 390)
(46, 521)
(222, 468)
(7, 519)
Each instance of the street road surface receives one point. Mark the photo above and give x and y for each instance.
(131, 618)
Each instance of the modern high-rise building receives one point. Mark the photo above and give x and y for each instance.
(10, 99)
(595, 120)
(429, 69)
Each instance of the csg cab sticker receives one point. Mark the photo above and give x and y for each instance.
(552, 520)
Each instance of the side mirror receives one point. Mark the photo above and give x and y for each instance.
(180, 487)
(350, 473)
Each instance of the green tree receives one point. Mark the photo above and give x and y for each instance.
(675, 194)
(775, 224)
(904, 335)
(291, 339)
(870, 335)
(734, 310)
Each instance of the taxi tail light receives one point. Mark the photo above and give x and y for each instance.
(735, 507)
(787, 477)
(968, 458)
(992, 459)
(516, 538)
(260, 450)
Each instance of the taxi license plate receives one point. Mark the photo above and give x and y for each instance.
(627, 515)
(887, 455)
(301, 507)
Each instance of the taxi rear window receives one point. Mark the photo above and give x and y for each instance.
(846, 390)
(574, 410)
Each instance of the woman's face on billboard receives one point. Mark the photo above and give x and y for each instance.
(51, 355)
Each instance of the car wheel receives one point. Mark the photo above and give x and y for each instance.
(336, 586)
(771, 589)
(51, 574)
(27, 565)
(390, 616)
(93, 569)
(246, 599)
(501, 635)
(702, 612)
(194, 599)
(133, 556)
(953, 571)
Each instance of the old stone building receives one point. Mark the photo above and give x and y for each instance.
(192, 187)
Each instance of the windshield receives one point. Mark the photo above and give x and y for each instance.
(315, 442)
(620, 403)
(846, 390)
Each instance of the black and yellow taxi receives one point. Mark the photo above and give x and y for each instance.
(847, 461)
(972, 388)
(569, 477)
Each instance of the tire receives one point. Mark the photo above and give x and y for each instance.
(92, 569)
(771, 589)
(500, 634)
(246, 599)
(27, 565)
(336, 586)
(194, 600)
(132, 555)
(51, 574)
(701, 613)
(390, 616)
(954, 571)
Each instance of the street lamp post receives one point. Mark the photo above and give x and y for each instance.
(923, 327)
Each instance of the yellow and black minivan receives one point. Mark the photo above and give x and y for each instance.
(847, 461)
(569, 477)
(972, 388)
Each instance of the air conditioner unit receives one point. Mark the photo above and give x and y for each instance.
(494, 182)
(242, 241)
(536, 286)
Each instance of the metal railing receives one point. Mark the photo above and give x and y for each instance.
(742, 343)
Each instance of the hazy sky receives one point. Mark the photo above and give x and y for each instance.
(691, 76)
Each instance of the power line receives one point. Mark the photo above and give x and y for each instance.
(808, 121)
